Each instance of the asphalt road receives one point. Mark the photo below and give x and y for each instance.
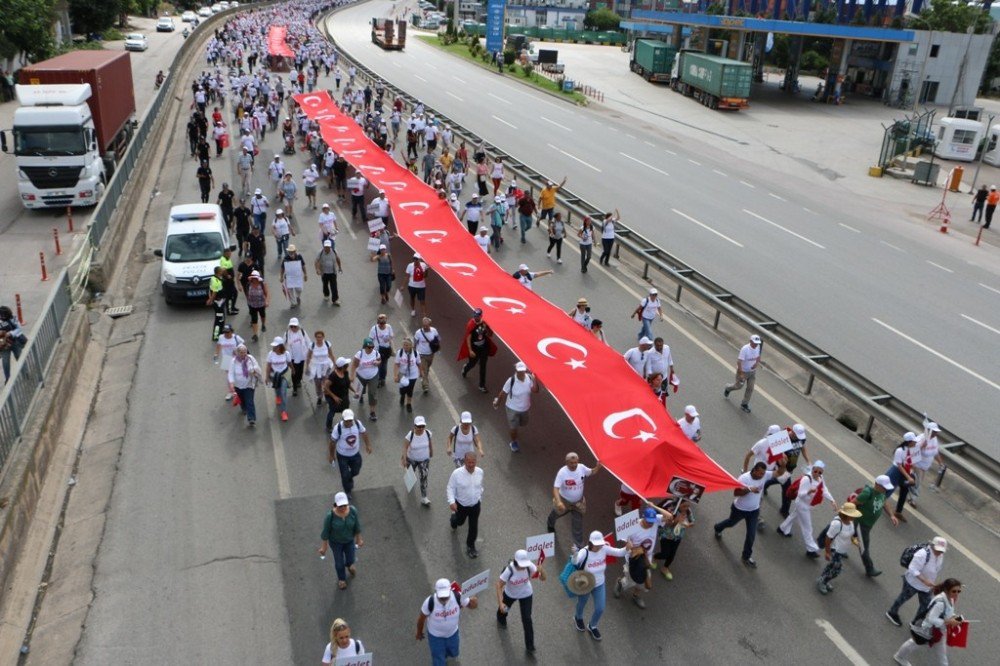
(208, 555)
(916, 318)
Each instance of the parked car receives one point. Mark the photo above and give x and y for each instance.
(165, 24)
(216, 8)
(224, 4)
(188, 16)
(205, 12)
(135, 41)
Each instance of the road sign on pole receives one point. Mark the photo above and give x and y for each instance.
(495, 10)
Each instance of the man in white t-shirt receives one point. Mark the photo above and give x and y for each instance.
(659, 359)
(417, 271)
(746, 506)
(526, 276)
(440, 613)
(746, 371)
(648, 310)
(516, 397)
(345, 448)
(356, 185)
(427, 342)
(690, 423)
(636, 356)
(567, 495)
(514, 584)
(638, 570)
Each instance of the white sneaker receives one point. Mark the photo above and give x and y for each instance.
(559, 261)
(425, 501)
(229, 396)
(899, 660)
(413, 313)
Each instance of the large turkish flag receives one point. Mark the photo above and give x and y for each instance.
(276, 44)
(614, 410)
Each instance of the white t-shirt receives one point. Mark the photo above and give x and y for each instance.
(353, 649)
(422, 340)
(928, 449)
(411, 269)
(748, 356)
(281, 226)
(582, 318)
(646, 536)
(597, 562)
(420, 445)
(348, 439)
(751, 501)
(841, 534)
(381, 336)
(903, 457)
(310, 176)
(659, 362)
(227, 350)
(442, 618)
(525, 278)
(297, 344)
(464, 442)
(691, 430)
(482, 241)
(409, 364)
(570, 482)
(760, 453)
(608, 230)
(356, 185)
(367, 364)
(519, 392)
(637, 359)
(650, 307)
(517, 582)
(279, 362)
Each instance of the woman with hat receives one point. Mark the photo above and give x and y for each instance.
(581, 313)
(593, 559)
(840, 535)
(364, 369)
(342, 533)
(383, 272)
(514, 584)
(258, 298)
(278, 360)
(418, 448)
(341, 644)
(244, 373)
(225, 350)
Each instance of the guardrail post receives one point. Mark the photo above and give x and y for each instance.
(868, 429)
(809, 384)
(645, 270)
(715, 322)
(20, 315)
(677, 296)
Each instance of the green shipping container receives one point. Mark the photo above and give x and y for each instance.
(654, 57)
(721, 77)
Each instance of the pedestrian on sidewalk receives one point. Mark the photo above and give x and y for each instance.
(557, 232)
(746, 371)
(244, 373)
(593, 558)
(992, 199)
(337, 389)
(939, 619)
(342, 534)
(746, 507)
(242, 220)
(838, 538)
(464, 438)
(978, 202)
(514, 584)
(928, 452)
(297, 342)
(567, 495)
(406, 373)
(440, 614)
(341, 644)
(427, 342)
(327, 267)
(258, 298)
(920, 578)
(477, 347)
(515, 396)
(12, 339)
(465, 494)
(418, 449)
(547, 201)
(344, 449)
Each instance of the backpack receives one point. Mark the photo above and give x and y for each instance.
(418, 271)
(433, 599)
(907, 556)
(793, 489)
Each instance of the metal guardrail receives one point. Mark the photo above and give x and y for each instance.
(871, 399)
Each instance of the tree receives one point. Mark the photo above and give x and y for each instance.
(947, 16)
(89, 17)
(26, 27)
(602, 19)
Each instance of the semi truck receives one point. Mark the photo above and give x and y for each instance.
(652, 59)
(718, 83)
(75, 120)
(389, 34)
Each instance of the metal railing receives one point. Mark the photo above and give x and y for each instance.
(877, 404)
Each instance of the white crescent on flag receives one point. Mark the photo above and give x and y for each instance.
(517, 307)
(611, 420)
(573, 363)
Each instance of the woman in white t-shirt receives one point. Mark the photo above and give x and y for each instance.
(418, 448)
(464, 438)
(225, 350)
(593, 558)
(341, 644)
(407, 373)
(278, 362)
(364, 369)
(608, 237)
(320, 362)
(928, 452)
(514, 584)
(483, 239)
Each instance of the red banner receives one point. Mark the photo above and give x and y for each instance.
(276, 45)
(609, 404)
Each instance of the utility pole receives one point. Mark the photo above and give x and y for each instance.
(960, 82)
(982, 156)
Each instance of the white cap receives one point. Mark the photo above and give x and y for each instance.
(257, 191)
(799, 430)
(328, 243)
(348, 414)
(521, 558)
(382, 247)
(279, 212)
(755, 339)
(420, 421)
(442, 588)
(466, 417)
(277, 341)
(773, 428)
(933, 427)
(340, 499)
(522, 267)
(482, 229)
(342, 362)
(690, 410)
(884, 481)
(645, 341)
(909, 437)
(596, 538)
(497, 199)
(326, 205)
(939, 544)
(653, 291)
(520, 366)
(294, 321)
(819, 463)
(416, 255)
(453, 197)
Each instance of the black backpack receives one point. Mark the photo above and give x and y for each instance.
(433, 599)
(910, 551)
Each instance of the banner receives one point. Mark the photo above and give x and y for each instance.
(495, 10)
(276, 45)
(626, 427)
(476, 584)
(358, 660)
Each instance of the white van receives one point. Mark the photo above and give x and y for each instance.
(196, 237)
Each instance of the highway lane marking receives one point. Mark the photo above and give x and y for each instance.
(650, 143)
(427, 64)
(280, 460)
(752, 187)
(772, 194)
(948, 270)
(507, 102)
(785, 229)
(458, 79)
(842, 643)
(694, 162)
(397, 65)
(986, 286)
(613, 129)
(648, 166)
(935, 352)
(630, 136)
(417, 76)
(669, 152)
(448, 92)
(573, 157)
(986, 326)
(894, 247)
(849, 227)
(809, 211)
(705, 226)
(720, 173)
(552, 122)
(504, 122)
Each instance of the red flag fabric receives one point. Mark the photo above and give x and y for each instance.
(625, 426)
(276, 45)
(610, 540)
(958, 637)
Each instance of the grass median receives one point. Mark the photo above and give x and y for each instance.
(461, 49)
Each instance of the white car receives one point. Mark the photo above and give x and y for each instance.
(135, 41)
(196, 236)
(165, 24)
(216, 8)
(205, 11)
(224, 4)
(188, 16)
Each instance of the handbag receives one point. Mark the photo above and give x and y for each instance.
(568, 571)
(434, 344)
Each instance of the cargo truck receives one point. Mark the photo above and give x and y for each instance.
(389, 34)
(652, 59)
(718, 83)
(75, 120)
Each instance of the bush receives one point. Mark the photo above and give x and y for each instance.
(813, 62)
(113, 35)
(528, 68)
(509, 57)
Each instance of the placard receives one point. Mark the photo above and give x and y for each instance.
(689, 490)
(476, 584)
(356, 660)
(625, 524)
(778, 443)
(543, 543)
(409, 478)
(398, 298)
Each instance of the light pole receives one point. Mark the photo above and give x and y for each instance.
(982, 155)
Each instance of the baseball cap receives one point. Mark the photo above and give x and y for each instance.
(466, 417)
(227, 328)
(649, 515)
(478, 312)
(348, 414)
(645, 341)
(909, 437)
(933, 427)
(596, 538)
(475, 196)
(771, 429)
(255, 275)
(280, 211)
(755, 339)
(420, 421)
(690, 410)
(416, 255)
(884, 481)
(294, 321)
(442, 588)
(939, 543)
(340, 499)
(520, 366)
(368, 342)
(277, 156)
(653, 292)
(328, 243)
(521, 558)
(382, 247)
(799, 430)
(257, 191)
(482, 229)
(342, 362)
(498, 199)
(326, 205)
(277, 341)
(453, 197)
(819, 463)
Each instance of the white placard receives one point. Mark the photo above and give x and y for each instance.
(476, 584)
(375, 225)
(409, 478)
(779, 442)
(357, 660)
(543, 543)
(624, 525)
(398, 298)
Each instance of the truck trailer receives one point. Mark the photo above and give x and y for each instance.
(718, 83)
(389, 34)
(75, 120)
(652, 59)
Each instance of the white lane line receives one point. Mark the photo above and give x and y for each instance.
(458, 79)
(986, 286)
(785, 229)
(650, 143)
(944, 268)
(669, 152)
(986, 326)
(417, 76)
(573, 157)
(397, 65)
(743, 182)
(280, 460)
(552, 122)
(694, 162)
(812, 212)
(504, 122)
(629, 136)
(721, 173)
(499, 98)
(648, 166)
(849, 227)
(705, 226)
(427, 64)
(894, 247)
(448, 92)
(772, 194)
(938, 354)
(842, 643)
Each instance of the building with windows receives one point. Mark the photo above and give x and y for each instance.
(563, 14)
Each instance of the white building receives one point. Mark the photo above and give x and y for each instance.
(940, 68)
(562, 14)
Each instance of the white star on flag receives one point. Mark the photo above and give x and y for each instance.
(575, 364)
(643, 435)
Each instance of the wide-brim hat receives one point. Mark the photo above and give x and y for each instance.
(581, 582)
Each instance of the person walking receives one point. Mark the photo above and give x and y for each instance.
(649, 309)
(337, 389)
(206, 182)
(225, 200)
(293, 275)
(526, 212)
(309, 178)
(297, 342)
(746, 371)
(978, 202)
(242, 220)
(327, 267)
(342, 534)
(258, 298)
(418, 449)
(593, 558)
(901, 472)
(225, 351)
(12, 339)
(427, 342)
(608, 237)
(940, 617)
(278, 361)
(809, 490)
(746, 507)
(547, 201)
(585, 234)
(526, 276)
(344, 449)
(992, 199)
(381, 332)
(244, 373)
(581, 313)
(690, 423)
(928, 452)
(514, 584)
(638, 570)
(672, 530)
(319, 362)
(840, 535)
(383, 272)
(276, 173)
(477, 347)
(282, 231)
(557, 232)
(341, 644)
(417, 272)
(406, 373)
(258, 208)
(439, 615)
(244, 167)
(472, 214)
(567, 495)
(464, 438)
(364, 371)
(871, 501)
(515, 396)
(636, 356)
(465, 494)
(920, 578)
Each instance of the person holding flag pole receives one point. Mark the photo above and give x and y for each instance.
(809, 491)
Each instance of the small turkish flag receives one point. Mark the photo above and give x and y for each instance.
(610, 540)
(236, 400)
(958, 637)
(541, 558)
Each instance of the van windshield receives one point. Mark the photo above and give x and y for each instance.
(49, 141)
(193, 247)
